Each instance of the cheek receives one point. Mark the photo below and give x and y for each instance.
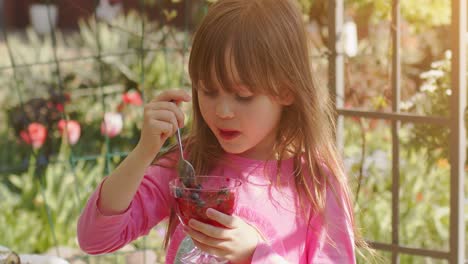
(263, 120)
(205, 109)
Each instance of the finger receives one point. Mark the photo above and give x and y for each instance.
(164, 115)
(203, 238)
(171, 107)
(165, 127)
(224, 219)
(209, 230)
(175, 95)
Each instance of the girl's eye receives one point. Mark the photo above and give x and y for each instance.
(244, 98)
(209, 93)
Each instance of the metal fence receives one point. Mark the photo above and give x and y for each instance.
(455, 122)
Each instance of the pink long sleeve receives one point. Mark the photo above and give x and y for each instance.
(329, 239)
(99, 233)
(332, 242)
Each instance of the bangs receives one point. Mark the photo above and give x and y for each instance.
(230, 49)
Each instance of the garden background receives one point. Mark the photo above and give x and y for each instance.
(79, 93)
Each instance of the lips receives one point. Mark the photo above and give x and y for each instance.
(227, 134)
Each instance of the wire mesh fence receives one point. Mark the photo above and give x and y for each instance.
(74, 102)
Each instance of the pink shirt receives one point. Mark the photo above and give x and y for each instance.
(275, 212)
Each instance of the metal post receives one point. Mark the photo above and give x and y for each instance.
(457, 132)
(336, 63)
(396, 85)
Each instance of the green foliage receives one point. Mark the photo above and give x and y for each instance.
(17, 236)
(33, 81)
(424, 170)
(422, 14)
(45, 203)
(432, 100)
(124, 66)
(41, 208)
(157, 58)
(424, 189)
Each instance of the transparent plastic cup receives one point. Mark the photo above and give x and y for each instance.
(217, 192)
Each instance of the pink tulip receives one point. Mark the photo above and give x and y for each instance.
(34, 135)
(73, 130)
(133, 98)
(112, 124)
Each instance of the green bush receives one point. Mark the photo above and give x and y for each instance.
(42, 206)
(424, 170)
(424, 190)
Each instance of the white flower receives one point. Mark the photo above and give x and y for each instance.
(448, 54)
(405, 106)
(432, 74)
(112, 124)
(428, 87)
(448, 92)
(437, 64)
(418, 98)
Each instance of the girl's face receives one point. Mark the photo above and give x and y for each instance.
(243, 123)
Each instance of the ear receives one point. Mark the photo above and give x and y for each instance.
(286, 98)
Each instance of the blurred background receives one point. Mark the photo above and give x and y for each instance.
(75, 74)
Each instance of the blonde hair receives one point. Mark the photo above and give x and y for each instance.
(268, 47)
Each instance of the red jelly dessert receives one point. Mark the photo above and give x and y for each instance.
(214, 192)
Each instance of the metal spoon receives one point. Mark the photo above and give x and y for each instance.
(185, 168)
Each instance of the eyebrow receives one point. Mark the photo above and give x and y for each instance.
(236, 88)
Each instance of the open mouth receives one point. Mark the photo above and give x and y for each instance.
(228, 134)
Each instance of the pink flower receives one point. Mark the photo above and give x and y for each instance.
(132, 97)
(34, 135)
(73, 130)
(112, 124)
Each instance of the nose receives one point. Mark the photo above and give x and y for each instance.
(224, 110)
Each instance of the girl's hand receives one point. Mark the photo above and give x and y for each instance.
(235, 243)
(161, 118)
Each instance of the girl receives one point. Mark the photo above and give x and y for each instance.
(258, 116)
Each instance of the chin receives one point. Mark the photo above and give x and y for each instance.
(233, 149)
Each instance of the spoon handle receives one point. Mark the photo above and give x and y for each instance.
(179, 139)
